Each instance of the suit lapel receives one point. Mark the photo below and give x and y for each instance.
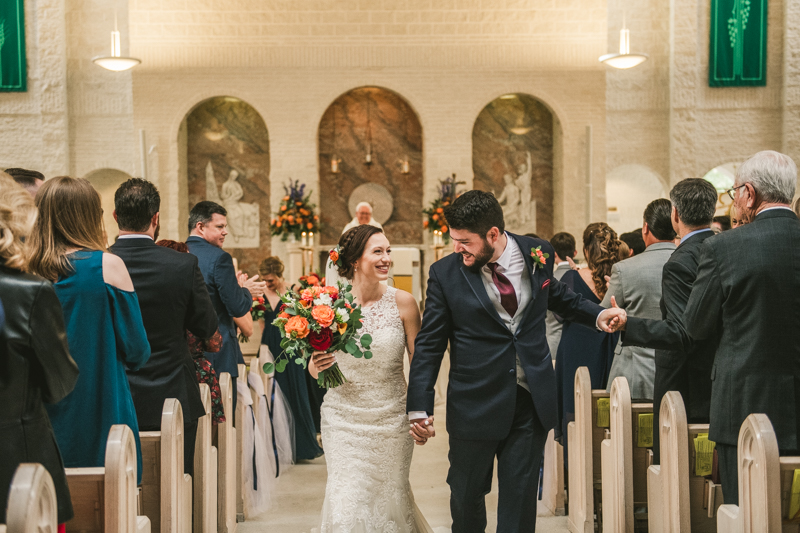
(534, 277)
(475, 281)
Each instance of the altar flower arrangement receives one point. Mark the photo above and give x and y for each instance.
(320, 318)
(257, 310)
(434, 214)
(314, 279)
(295, 214)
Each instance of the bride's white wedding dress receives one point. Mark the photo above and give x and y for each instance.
(365, 435)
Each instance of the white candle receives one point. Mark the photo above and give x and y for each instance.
(311, 239)
(303, 239)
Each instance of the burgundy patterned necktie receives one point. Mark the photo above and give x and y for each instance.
(508, 297)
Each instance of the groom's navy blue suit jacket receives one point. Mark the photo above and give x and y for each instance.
(481, 396)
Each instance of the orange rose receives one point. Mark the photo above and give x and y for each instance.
(312, 280)
(443, 228)
(435, 217)
(283, 208)
(291, 219)
(334, 255)
(296, 327)
(440, 210)
(332, 291)
(310, 225)
(323, 314)
(284, 315)
(307, 295)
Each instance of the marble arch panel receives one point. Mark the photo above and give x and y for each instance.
(381, 123)
(228, 162)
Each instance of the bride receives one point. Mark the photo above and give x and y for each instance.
(365, 429)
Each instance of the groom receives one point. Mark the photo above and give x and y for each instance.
(488, 301)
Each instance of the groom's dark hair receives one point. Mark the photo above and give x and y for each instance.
(476, 212)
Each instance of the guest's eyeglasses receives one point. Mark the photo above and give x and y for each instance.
(731, 191)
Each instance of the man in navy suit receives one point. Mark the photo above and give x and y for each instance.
(488, 301)
(231, 292)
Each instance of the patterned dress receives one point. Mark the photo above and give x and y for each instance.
(206, 373)
(365, 434)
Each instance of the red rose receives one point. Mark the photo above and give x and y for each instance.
(321, 341)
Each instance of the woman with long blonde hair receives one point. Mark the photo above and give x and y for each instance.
(104, 323)
(37, 367)
(581, 346)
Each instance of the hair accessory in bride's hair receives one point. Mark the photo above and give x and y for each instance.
(335, 256)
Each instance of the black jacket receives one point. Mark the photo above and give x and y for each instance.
(35, 367)
(681, 365)
(481, 396)
(747, 296)
(173, 299)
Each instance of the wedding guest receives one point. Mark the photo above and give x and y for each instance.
(292, 382)
(197, 347)
(636, 286)
(634, 241)
(564, 245)
(173, 298)
(34, 355)
(30, 180)
(363, 216)
(720, 224)
(231, 292)
(796, 207)
(582, 346)
(744, 297)
(681, 365)
(102, 314)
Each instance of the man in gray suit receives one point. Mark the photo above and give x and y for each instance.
(636, 286)
(564, 245)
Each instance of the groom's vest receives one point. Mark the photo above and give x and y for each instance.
(512, 323)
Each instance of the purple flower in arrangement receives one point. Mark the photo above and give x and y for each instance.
(295, 191)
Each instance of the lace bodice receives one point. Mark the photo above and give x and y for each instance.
(365, 435)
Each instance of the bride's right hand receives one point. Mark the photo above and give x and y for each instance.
(323, 360)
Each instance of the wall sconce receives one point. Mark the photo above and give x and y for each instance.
(335, 164)
(405, 166)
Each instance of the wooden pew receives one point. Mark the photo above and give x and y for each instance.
(226, 440)
(676, 496)
(205, 471)
(166, 489)
(552, 503)
(624, 464)
(105, 498)
(765, 483)
(241, 383)
(584, 455)
(32, 505)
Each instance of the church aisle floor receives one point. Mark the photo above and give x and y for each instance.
(297, 504)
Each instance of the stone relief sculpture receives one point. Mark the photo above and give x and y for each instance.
(518, 207)
(524, 184)
(243, 220)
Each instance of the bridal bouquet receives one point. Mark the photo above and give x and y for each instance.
(323, 319)
(257, 310)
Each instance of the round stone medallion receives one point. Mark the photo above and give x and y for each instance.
(378, 197)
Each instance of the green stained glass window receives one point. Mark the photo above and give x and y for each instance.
(738, 44)
(13, 75)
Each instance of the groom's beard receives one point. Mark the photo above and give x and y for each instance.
(482, 257)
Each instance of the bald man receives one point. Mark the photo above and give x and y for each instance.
(363, 216)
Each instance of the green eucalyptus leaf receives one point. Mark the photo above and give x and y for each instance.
(299, 361)
(268, 368)
(366, 340)
(351, 347)
(280, 366)
(367, 355)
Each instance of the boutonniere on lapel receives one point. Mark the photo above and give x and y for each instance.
(539, 257)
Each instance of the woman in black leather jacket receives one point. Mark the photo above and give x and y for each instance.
(35, 365)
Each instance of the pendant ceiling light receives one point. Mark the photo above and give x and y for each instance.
(115, 61)
(624, 59)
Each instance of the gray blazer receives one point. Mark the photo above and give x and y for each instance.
(551, 322)
(636, 284)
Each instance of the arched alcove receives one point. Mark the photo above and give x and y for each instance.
(722, 177)
(629, 188)
(379, 122)
(227, 161)
(512, 156)
(106, 181)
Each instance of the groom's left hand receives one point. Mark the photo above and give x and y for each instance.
(612, 319)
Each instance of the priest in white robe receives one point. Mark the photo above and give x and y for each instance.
(363, 216)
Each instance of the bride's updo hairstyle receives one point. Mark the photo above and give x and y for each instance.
(351, 247)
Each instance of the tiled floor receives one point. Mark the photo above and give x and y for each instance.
(297, 504)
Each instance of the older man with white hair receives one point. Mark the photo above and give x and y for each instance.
(363, 216)
(746, 298)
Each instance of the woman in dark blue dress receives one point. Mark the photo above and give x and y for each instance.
(104, 325)
(292, 381)
(582, 346)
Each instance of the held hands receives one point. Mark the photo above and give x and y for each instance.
(323, 360)
(612, 319)
(422, 429)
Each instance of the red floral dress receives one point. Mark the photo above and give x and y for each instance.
(206, 373)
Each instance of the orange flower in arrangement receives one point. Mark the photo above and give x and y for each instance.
(296, 327)
(305, 212)
(278, 224)
(323, 314)
(307, 295)
(283, 208)
(443, 228)
(332, 291)
(312, 279)
(290, 218)
(272, 221)
(435, 217)
(284, 315)
(334, 255)
(446, 204)
(425, 224)
(285, 198)
(298, 204)
(440, 210)
(310, 225)
(316, 217)
(342, 328)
